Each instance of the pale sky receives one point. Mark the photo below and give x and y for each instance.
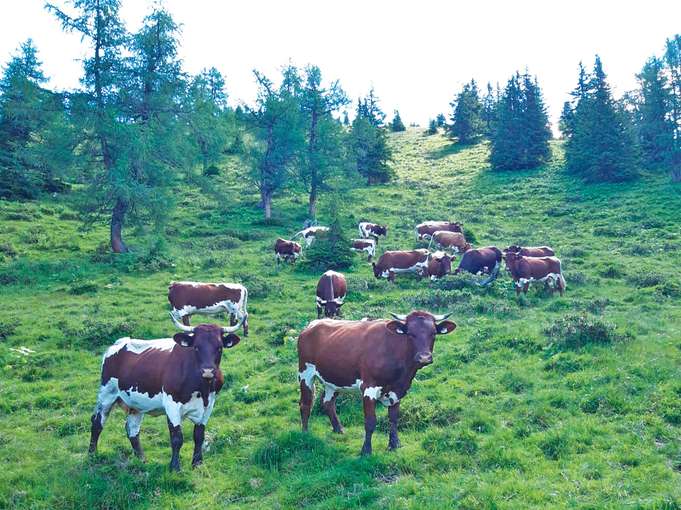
(416, 54)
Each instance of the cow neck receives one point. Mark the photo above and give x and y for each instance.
(408, 366)
(189, 376)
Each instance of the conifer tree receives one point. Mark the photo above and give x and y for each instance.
(488, 114)
(369, 141)
(397, 125)
(467, 124)
(654, 115)
(441, 120)
(432, 127)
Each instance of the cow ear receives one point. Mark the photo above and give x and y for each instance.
(446, 327)
(184, 339)
(397, 327)
(230, 340)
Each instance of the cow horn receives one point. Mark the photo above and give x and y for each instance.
(232, 329)
(400, 318)
(188, 329)
(439, 318)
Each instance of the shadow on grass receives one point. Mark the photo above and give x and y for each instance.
(448, 150)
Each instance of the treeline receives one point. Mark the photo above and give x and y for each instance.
(606, 139)
(139, 121)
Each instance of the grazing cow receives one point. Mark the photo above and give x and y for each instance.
(481, 261)
(455, 240)
(391, 262)
(178, 376)
(288, 251)
(189, 298)
(526, 270)
(377, 358)
(367, 245)
(311, 233)
(331, 291)
(439, 265)
(372, 230)
(531, 251)
(426, 229)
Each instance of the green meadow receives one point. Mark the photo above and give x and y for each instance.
(533, 402)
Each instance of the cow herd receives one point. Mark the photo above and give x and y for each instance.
(180, 376)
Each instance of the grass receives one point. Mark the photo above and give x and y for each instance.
(536, 402)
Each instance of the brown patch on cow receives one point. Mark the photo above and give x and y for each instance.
(525, 269)
(402, 260)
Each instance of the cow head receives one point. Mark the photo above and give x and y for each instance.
(380, 230)
(512, 258)
(296, 247)
(440, 264)
(207, 342)
(331, 307)
(514, 248)
(377, 270)
(421, 328)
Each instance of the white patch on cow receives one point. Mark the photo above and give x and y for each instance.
(238, 309)
(338, 300)
(551, 279)
(133, 423)
(330, 389)
(373, 392)
(308, 374)
(370, 248)
(419, 267)
(389, 399)
(139, 346)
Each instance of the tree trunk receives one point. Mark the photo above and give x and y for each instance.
(312, 209)
(267, 204)
(117, 218)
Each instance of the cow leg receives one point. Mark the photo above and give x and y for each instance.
(394, 415)
(391, 276)
(185, 320)
(517, 290)
(199, 434)
(319, 312)
(108, 394)
(232, 319)
(176, 441)
(369, 423)
(306, 399)
(526, 287)
(329, 406)
(132, 428)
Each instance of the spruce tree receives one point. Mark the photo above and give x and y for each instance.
(467, 124)
(397, 124)
(488, 115)
(441, 120)
(432, 127)
(369, 141)
(601, 146)
(654, 119)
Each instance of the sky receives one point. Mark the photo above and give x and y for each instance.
(416, 54)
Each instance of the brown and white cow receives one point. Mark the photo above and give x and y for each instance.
(189, 298)
(331, 291)
(366, 245)
(377, 358)
(391, 262)
(179, 377)
(526, 270)
(481, 261)
(454, 240)
(426, 229)
(288, 251)
(439, 265)
(372, 230)
(310, 234)
(531, 251)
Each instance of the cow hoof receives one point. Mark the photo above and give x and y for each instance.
(339, 431)
(196, 463)
(175, 467)
(365, 451)
(394, 446)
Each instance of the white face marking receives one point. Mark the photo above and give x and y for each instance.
(373, 392)
(139, 346)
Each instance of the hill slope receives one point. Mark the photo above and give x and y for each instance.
(506, 417)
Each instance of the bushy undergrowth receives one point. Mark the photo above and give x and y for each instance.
(576, 331)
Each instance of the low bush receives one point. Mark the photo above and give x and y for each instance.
(79, 288)
(94, 333)
(647, 279)
(578, 330)
(8, 250)
(258, 286)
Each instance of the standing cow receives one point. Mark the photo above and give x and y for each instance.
(526, 270)
(365, 245)
(454, 240)
(481, 261)
(531, 251)
(189, 298)
(331, 292)
(391, 262)
(439, 265)
(288, 251)
(372, 230)
(377, 358)
(426, 229)
(178, 376)
(310, 234)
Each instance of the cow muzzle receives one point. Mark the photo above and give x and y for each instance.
(424, 358)
(207, 373)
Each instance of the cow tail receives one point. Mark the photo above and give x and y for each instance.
(492, 276)
(561, 278)
(429, 243)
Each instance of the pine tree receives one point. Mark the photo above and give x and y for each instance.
(369, 141)
(567, 118)
(397, 124)
(467, 124)
(488, 114)
(331, 251)
(654, 122)
(432, 127)
(346, 119)
(441, 120)
(601, 146)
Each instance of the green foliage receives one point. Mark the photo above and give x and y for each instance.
(369, 142)
(396, 125)
(520, 134)
(576, 331)
(332, 250)
(467, 124)
(432, 127)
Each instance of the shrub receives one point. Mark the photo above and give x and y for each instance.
(8, 250)
(331, 251)
(259, 287)
(648, 279)
(80, 288)
(211, 171)
(576, 331)
(93, 333)
(7, 328)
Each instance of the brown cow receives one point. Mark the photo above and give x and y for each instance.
(372, 230)
(439, 265)
(288, 251)
(391, 262)
(178, 376)
(331, 291)
(526, 270)
(189, 298)
(367, 245)
(311, 233)
(531, 251)
(377, 358)
(455, 240)
(481, 261)
(426, 229)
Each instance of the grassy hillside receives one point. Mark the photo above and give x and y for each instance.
(514, 413)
